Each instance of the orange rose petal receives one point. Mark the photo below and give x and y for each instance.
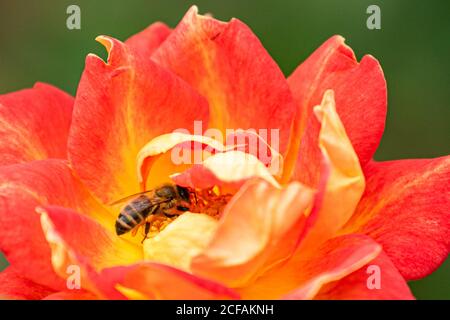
(361, 98)
(218, 59)
(157, 281)
(34, 124)
(202, 178)
(406, 209)
(149, 39)
(23, 187)
(345, 180)
(302, 276)
(363, 285)
(76, 240)
(229, 170)
(13, 285)
(120, 105)
(73, 232)
(259, 228)
(336, 259)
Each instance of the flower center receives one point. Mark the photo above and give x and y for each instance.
(207, 201)
(176, 240)
(210, 202)
(158, 223)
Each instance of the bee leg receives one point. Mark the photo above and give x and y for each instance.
(146, 231)
(170, 214)
(134, 231)
(170, 211)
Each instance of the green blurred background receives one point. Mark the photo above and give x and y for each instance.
(413, 47)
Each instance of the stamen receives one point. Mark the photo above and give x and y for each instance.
(210, 202)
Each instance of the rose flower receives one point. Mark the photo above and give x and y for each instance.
(307, 214)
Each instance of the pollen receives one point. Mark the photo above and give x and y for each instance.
(158, 223)
(210, 202)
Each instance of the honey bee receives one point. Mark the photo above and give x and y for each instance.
(169, 200)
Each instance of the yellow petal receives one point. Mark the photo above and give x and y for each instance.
(181, 240)
(345, 184)
(260, 228)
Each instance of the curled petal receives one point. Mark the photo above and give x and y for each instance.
(377, 280)
(344, 184)
(258, 229)
(218, 59)
(181, 240)
(361, 98)
(134, 100)
(72, 234)
(228, 170)
(77, 240)
(406, 208)
(15, 286)
(303, 276)
(34, 124)
(148, 155)
(336, 259)
(23, 187)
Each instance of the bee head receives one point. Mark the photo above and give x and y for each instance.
(184, 193)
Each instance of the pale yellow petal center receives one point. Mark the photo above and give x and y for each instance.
(181, 240)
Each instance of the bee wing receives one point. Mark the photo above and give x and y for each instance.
(129, 197)
(156, 201)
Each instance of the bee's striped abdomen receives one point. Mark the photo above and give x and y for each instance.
(132, 215)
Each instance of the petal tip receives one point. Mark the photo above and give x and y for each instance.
(40, 210)
(108, 43)
(105, 41)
